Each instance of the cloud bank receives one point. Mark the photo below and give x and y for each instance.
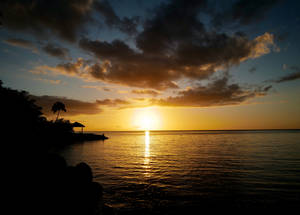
(64, 19)
(163, 49)
(18, 42)
(56, 51)
(217, 93)
(291, 76)
(73, 106)
(120, 64)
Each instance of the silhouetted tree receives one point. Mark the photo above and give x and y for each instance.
(57, 107)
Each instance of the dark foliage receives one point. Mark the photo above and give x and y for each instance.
(23, 121)
(40, 182)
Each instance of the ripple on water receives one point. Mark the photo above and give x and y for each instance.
(181, 168)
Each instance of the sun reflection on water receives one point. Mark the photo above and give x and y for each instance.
(147, 150)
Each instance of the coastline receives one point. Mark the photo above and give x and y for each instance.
(88, 137)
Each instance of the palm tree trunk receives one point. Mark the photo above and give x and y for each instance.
(57, 115)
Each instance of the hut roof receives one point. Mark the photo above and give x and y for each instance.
(77, 124)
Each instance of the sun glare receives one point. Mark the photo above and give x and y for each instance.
(146, 119)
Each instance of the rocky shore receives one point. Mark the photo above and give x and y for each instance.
(64, 189)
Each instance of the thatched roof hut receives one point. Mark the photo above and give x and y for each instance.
(78, 125)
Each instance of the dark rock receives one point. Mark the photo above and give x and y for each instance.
(107, 210)
(84, 173)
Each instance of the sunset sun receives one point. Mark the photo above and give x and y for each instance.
(146, 119)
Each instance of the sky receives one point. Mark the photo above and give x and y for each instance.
(158, 65)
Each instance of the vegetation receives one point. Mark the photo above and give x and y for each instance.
(23, 121)
(57, 107)
(46, 179)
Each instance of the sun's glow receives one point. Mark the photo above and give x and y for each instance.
(146, 119)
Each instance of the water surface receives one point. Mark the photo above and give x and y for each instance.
(171, 169)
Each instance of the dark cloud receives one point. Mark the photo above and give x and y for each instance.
(267, 88)
(244, 12)
(252, 69)
(147, 92)
(59, 17)
(129, 69)
(171, 48)
(217, 93)
(56, 51)
(291, 76)
(187, 39)
(63, 18)
(126, 25)
(19, 42)
(51, 49)
(70, 68)
(173, 44)
(117, 49)
(26, 44)
(74, 107)
(172, 22)
(1, 18)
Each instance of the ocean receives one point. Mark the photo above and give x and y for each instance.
(155, 171)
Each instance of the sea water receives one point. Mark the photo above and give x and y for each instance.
(158, 170)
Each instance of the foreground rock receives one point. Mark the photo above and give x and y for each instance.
(63, 189)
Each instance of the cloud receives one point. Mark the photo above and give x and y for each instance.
(1, 19)
(167, 49)
(192, 59)
(126, 25)
(120, 64)
(77, 107)
(65, 19)
(263, 45)
(101, 72)
(217, 93)
(55, 82)
(170, 49)
(147, 92)
(123, 65)
(252, 69)
(62, 18)
(112, 102)
(284, 66)
(77, 69)
(73, 106)
(17, 42)
(56, 51)
(267, 88)
(291, 76)
(96, 87)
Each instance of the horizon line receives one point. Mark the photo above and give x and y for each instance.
(268, 129)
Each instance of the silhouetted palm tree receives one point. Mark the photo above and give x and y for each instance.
(57, 107)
